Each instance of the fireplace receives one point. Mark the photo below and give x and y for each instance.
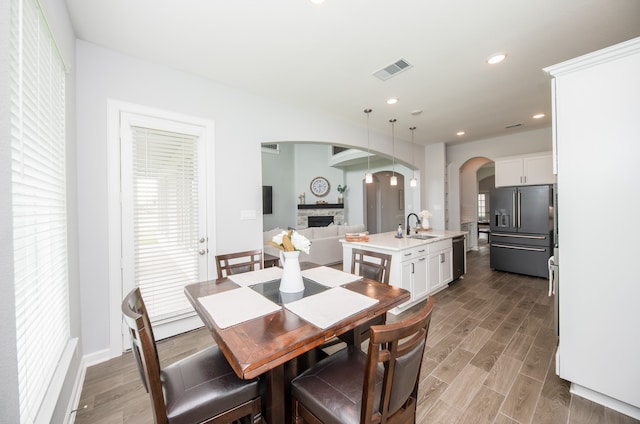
(322, 213)
(320, 220)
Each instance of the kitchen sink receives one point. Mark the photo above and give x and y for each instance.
(423, 236)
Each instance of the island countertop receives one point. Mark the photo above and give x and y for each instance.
(388, 241)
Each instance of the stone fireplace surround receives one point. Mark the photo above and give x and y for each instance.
(328, 209)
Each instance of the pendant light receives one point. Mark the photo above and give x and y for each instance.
(394, 179)
(413, 182)
(368, 177)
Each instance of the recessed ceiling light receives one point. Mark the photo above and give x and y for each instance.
(317, 1)
(538, 116)
(496, 58)
(416, 112)
(460, 133)
(392, 101)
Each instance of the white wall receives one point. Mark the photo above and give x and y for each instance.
(311, 160)
(242, 122)
(434, 185)
(278, 172)
(491, 148)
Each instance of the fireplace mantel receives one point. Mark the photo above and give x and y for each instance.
(322, 206)
(336, 210)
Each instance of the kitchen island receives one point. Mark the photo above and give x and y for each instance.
(420, 263)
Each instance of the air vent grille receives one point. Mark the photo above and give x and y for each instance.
(271, 148)
(513, 126)
(393, 69)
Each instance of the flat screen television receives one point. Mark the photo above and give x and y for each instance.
(267, 200)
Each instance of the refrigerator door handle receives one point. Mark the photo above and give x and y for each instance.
(519, 236)
(519, 209)
(506, 246)
(514, 211)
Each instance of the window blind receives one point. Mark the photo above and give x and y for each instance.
(165, 219)
(39, 203)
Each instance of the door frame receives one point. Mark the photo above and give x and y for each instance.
(115, 109)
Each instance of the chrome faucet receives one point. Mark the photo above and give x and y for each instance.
(408, 227)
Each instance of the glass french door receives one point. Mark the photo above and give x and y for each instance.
(164, 233)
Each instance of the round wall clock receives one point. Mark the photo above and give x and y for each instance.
(320, 186)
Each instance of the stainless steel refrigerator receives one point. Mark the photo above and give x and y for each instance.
(522, 229)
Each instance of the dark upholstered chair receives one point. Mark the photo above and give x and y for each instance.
(351, 387)
(239, 262)
(372, 265)
(201, 388)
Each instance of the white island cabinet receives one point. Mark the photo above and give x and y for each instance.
(421, 266)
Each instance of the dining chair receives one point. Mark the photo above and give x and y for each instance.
(374, 266)
(352, 386)
(201, 388)
(239, 262)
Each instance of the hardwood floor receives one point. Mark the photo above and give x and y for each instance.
(489, 359)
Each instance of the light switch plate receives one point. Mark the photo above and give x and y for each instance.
(247, 214)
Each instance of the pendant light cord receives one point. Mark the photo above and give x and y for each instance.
(393, 146)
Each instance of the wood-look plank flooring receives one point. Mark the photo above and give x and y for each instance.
(489, 359)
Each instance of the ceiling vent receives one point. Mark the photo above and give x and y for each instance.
(393, 69)
(508, 127)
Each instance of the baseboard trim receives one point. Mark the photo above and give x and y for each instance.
(96, 357)
(605, 400)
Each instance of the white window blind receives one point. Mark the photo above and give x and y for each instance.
(39, 203)
(165, 219)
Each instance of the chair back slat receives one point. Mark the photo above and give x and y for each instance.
(398, 349)
(372, 265)
(239, 262)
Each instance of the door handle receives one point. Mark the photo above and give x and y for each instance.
(530, 249)
(519, 209)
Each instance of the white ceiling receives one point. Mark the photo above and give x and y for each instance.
(323, 57)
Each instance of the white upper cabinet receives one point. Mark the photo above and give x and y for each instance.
(531, 169)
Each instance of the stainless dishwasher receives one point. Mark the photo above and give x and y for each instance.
(458, 257)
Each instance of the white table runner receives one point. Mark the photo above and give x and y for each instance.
(333, 305)
(329, 277)
(256, 277)
(238, 305)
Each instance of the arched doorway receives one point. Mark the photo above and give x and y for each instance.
(384, 203)
(476, 180)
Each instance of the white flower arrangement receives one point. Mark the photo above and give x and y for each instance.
(291, 240)
(424, 214)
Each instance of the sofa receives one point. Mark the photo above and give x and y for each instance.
(326, 248)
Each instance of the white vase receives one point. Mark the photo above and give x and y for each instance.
(425, 223)
(291, 281)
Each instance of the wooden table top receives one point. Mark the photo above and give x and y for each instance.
(261, 344)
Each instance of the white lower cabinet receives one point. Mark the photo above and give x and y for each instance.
(414, 273)
(439, 265)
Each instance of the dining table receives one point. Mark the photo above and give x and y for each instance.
(264, 332)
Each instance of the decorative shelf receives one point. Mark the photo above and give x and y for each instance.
(322, 206)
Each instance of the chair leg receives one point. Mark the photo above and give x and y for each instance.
(297, 419)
